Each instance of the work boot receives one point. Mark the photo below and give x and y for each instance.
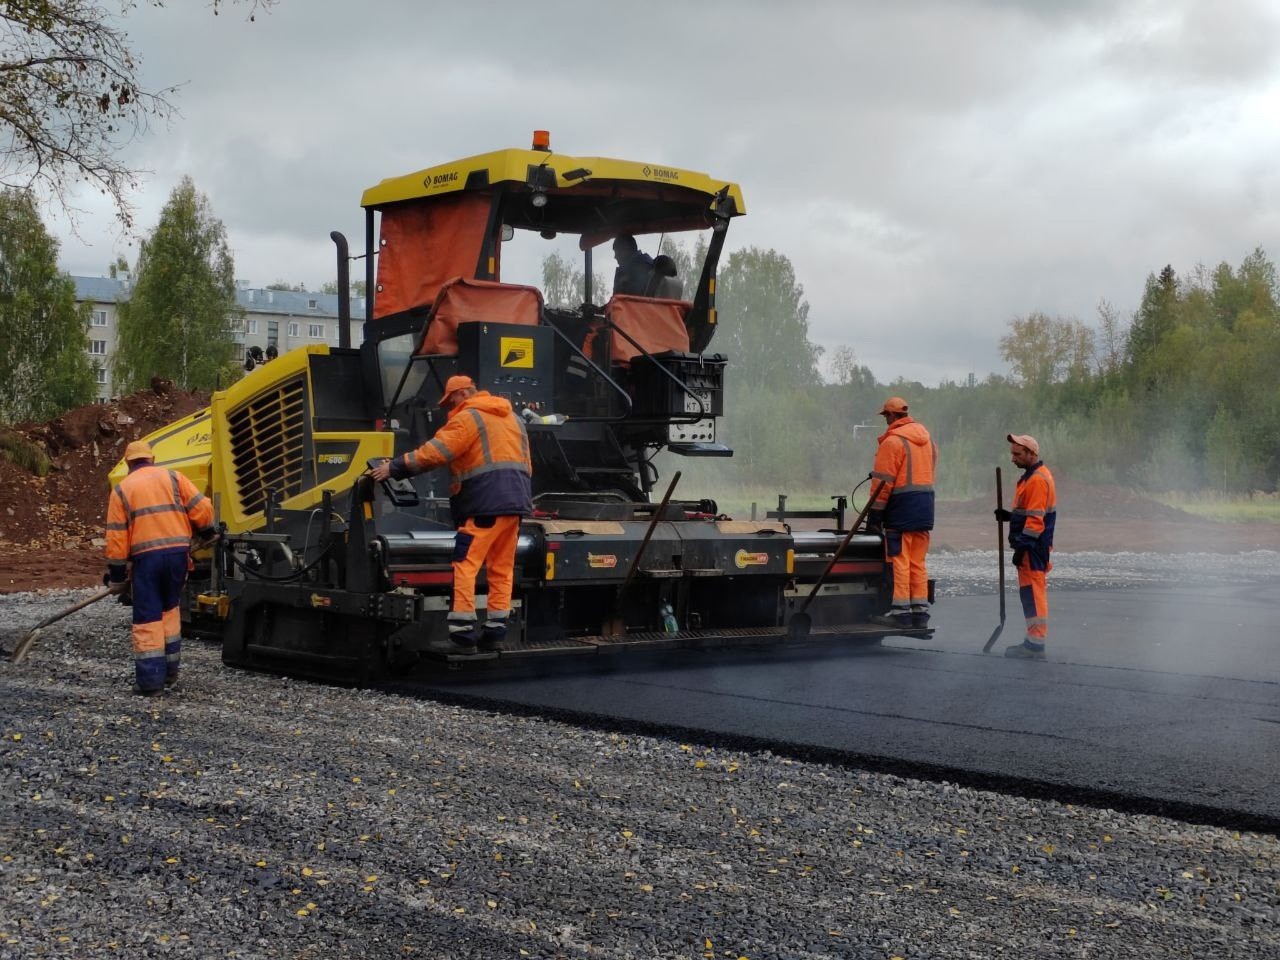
(453, 646)
(491, 639)
(462, 633)
(919, 616)
(170, 681)
(1023, 651)
(140, 692)
(494, 630)
(894, 618)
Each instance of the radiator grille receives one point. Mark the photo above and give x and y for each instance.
(268, 441)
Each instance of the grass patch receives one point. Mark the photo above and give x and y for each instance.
(1256, 508)
(20, 451)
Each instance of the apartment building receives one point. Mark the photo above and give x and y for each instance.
(285, 319)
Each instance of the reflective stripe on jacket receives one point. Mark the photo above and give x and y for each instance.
(1034, 514)
(905, 461)
(153, 509)
(487, 451)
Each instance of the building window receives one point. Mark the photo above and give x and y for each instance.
(98, 318)
(237, 353)
(315, 331)
(293, 329)
(251, 326)
(311, 304)
(100, 375)
(98, 347)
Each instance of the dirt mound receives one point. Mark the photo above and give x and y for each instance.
(51, 527)
(1097, 501)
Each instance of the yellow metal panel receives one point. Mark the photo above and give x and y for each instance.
(182, 446)
(512, 166)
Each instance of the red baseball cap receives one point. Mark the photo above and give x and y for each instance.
(894, 405)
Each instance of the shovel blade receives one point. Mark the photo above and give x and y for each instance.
(798, 627)
(994, 634)
(24, 646)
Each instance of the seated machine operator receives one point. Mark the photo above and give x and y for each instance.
(635, 268)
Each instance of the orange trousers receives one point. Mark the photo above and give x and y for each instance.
(492, 547)
(910, 573)
(1035, 602)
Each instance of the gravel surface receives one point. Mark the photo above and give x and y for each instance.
(251, 817)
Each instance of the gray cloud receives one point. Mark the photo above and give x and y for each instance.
(931, 168)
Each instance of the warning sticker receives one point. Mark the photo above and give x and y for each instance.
(516, 352)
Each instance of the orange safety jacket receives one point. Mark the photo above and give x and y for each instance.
(905, 461)
(153, 509)
(1034, 515)
(487, 450)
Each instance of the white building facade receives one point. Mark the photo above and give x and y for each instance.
(285, 319)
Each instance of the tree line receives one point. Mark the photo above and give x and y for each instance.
(1181, 395)
(177, 322)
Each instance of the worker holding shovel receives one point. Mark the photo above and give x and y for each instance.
(151, 515)
(1031, 523)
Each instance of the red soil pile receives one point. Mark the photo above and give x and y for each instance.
(51, 526)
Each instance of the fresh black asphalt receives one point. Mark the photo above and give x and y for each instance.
(1162, 700)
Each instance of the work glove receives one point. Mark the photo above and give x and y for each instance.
(1018, 556)
(1003, 515)
(875, 522)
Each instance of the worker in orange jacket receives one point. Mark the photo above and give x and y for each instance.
(487, 450)
(903, 511)
(151, 514)
(1031, 523)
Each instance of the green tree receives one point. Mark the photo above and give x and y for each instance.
(71, 99)
(563, 282)
(177, 324)
(1155, 317)
(1041, 350)
(331, 287)
(1112, 334)
(44, 360)
(764, 321)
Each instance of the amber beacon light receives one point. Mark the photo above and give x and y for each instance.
(542, 140)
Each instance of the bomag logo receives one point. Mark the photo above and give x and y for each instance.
(335, 458)
(601, 561)
(742, 559)
(441, 179)
(516, 352)
(197, 438)
(661, 173)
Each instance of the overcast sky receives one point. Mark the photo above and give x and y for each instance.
(932, 169)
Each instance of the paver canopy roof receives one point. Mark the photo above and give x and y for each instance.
(594, 197)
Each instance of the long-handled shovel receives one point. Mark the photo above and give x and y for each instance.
(999, 547)
(616, 625)
(25, 644)
(800, 622)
